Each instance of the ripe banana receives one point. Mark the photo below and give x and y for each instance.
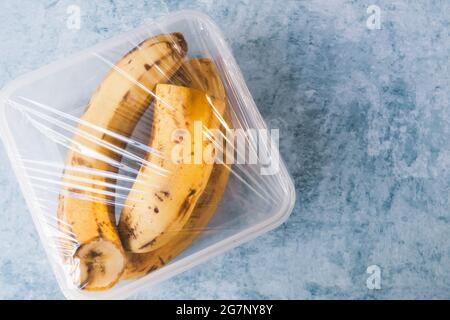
(86, 202)
(150, 220)
(198, 73)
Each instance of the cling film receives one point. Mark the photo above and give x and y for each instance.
(152, 164)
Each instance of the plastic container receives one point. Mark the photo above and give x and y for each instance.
(41, 111)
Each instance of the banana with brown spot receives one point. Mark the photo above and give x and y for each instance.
(198, 73)
(160, 213)
(86, 203)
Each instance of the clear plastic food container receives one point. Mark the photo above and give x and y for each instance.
(142, 157)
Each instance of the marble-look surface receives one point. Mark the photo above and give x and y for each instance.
(364, 117)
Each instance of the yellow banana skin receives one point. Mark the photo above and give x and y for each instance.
(201, 74)
(198, 73)
(86, 202)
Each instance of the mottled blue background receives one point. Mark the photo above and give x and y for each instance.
(365, 122)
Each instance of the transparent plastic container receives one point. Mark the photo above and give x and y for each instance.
(40, 114)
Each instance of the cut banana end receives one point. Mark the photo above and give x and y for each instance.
(101, 265)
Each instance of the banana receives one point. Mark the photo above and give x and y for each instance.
(150, 220)
(198, 73)
(86, 202)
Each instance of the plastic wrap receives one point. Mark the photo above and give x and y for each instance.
(142, 157)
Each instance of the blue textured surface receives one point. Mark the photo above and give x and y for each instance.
(365, 127)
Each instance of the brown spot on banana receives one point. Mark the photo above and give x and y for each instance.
(148, 244)
(187, 203)
(166, 193)
(158, 197)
